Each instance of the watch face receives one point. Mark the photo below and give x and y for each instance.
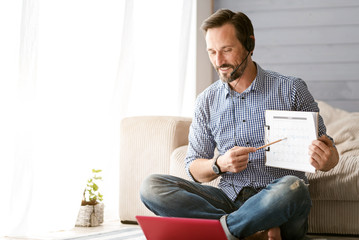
(215, 169)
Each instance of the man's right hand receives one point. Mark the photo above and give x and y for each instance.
(235, 159)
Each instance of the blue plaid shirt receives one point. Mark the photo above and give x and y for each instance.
(224, 119)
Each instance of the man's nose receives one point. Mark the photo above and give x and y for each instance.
(219, 59)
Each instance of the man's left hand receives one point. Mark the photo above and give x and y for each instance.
(323, 154)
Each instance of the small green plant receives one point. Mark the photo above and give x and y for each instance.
(91, 195)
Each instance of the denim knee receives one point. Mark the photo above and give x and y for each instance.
(148, 187)
(293, 183)
(294, 188)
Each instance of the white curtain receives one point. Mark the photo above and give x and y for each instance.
(70, 70)
(158, 58)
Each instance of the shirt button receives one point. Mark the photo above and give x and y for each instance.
(244, 120)
(247, 143)
(243, 97)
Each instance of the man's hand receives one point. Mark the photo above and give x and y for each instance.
(323, 155)
(235, 160)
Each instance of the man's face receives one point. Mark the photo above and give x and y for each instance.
(225, 52)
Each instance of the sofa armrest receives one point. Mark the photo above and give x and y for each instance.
(146, 144)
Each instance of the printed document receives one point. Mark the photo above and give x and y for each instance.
(299, 129)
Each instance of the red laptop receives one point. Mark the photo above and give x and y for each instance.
(171, 228)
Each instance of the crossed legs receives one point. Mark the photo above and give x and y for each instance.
(284, 204)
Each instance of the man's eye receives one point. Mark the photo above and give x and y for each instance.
(227, 50)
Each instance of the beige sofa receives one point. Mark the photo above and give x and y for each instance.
(156, 144)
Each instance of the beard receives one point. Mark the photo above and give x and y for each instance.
(235, 74)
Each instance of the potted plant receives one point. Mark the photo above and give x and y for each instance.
(92, 208)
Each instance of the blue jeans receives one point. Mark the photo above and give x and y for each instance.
(284, 203)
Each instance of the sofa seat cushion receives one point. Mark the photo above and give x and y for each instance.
(340, 183)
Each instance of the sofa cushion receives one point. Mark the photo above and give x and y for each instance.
(342, 182)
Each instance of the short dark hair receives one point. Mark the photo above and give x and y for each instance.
(240, 21)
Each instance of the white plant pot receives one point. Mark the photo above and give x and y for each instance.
(90, 215)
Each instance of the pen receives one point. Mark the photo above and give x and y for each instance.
(270, 143)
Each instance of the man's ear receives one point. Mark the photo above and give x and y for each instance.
(251, 44)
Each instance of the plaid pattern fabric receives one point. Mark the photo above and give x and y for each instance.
(224, 119)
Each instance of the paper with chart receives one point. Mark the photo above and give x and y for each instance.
(299, 129)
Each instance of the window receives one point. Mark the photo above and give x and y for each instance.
(72, 70)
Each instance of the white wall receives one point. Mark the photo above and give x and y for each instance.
(315, 40)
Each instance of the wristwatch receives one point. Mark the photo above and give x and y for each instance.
(215, 166)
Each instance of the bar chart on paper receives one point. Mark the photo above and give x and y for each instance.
(298, 129)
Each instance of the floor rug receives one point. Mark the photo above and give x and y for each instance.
(135, 233)
(127, 233)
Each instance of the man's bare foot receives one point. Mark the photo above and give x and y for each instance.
(271, 234)
(274, 234)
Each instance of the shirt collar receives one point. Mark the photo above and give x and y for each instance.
(258, 83)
